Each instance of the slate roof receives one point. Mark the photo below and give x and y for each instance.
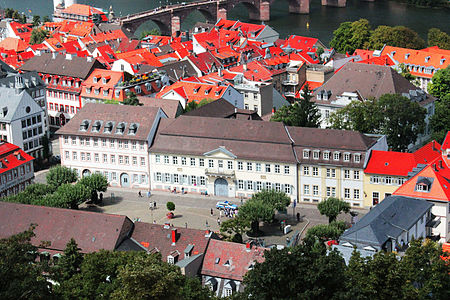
(388, 219)
(152, 236)
(92, 231)
(233, 260)
(13, 101)
(223, 109)
(178, 70)
(79, 67)
(253, 140)
(141, 115)
(368, 81)
(172, 108)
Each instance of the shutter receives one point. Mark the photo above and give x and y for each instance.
(154, 176)
(189, 180)
(254, 186)
(245, 185)
(282, 188)
(171, 178)
(198, 180)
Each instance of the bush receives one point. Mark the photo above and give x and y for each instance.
(170, 206)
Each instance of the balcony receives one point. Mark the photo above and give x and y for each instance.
(219, 172)
(290, 82)
(289, 94)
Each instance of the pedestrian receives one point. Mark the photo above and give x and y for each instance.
(139, 194)
(182, 191)
(298, 217)
(148, 194)
(212, 212)
(207, 223)
(218, 221)
(185, 225)
(220, 213)
(101, 197)
(154, 221)
(154, 204)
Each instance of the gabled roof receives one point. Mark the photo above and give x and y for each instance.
(383, 60)
(112, 79)
(390, 218)
(15, 44)
(92, 231)
(172, 108)
(82, 10)
(194, 91)
(11, 156)
(255, 71)
(223, 109)
(230, 260)
(204, 61)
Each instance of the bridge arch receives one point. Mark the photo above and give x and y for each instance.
(252, 10)
(162, 25)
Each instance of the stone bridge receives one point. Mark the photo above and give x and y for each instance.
(169, 18)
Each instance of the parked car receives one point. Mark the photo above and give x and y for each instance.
(225, 205)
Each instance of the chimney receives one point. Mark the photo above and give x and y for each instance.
(244, 67)
(88, 59)
(248, 247)
(174, 236)
(54, 55)
(68, 56)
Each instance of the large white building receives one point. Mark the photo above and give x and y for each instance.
(112, 140)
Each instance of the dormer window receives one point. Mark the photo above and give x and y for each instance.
(326, 155)
(133, 129)
(316, 154)
(148, 86)
(207, 91)
(424, 184)
(95, 79)
(84, 125)
(120, 129)
(306, 153)
(357, 158)
(105, 92)
(96, 91)
(427, 58)
(96, 126)
(336, 156)
(88, 90)
(217, 93)
(346, 156)
(138, 89)
(108, 127)
(117, 93)
(407, 55)
(442, 61)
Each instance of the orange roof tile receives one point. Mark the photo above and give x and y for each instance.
(195, 91)
(15, 44)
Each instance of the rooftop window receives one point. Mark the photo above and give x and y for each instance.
(133, 129)
(96, 126)
(84, 125)
(108, 127)
(120, 129)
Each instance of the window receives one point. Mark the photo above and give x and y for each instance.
(286, 169)
(346, 156)
(268, 185)
(192, 161)
(112, 143)
(331, 173)
(287, 188)
(134, 160)
(249, 185)
(356, 193)
(267, 168)
(240, 165)
(166, 177)
(356, 175)
(120, 159)
(66, 140)
(74, 155)
(166, 159)
(388, 180)
(127, 160)
(176, 178)
(306, 170)
(336, 155)
(141, 146)
(315, 190)
(83, 156)
(95, 142)
(175, 160)
(258, 167)
(74, 140)
(316, 154)
(82, 141)
(183, 161)
(249, 166)
(306, 189)
(202, 180)
(88, 156)
(210, 163)
(258, 186)
(347, 193)
(240, 184)
(305, 153)
(326, 155)
(228, 292)
(125, 144)
(158, 177)
(103, 142)
(315, 171)
(201, 162)
(230, 165)
(133, 145)
(66, 155)
(357, 158)
(375, 198)
(113, 159)
(96, 157)
(105, 158)
(347, 174)
(375, 179)
(277, 169)
(157, 158)
(142, 161)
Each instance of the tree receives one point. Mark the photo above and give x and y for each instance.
(403, 120)
(145, 33)
(38, 36)
(326, 232)
(46, 19)
(95, 182)
(131, 99)
(404, 71)
(440, 121)
(303, 113)
(69, 196)
(59, 175)
(234, 228)
(36, 21)
(262, 206)
(439, 38)
(341, 36)
(351, 36)
(170, 206)
(69, 263)
(332, 207)
(9, 13)
(21, 277)
(440, 83)
(398, 36)
(301, 272)
(194, 105)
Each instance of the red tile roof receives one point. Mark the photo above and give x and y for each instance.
(22, 30)
(446, 143)
(92, 231)
(255, 71)
(153, 236)
(112, 78)
(82, 10)
(383, 60)
(195, 91)
(230, 260)
(11, 156)
(15, 44)
(204, 61)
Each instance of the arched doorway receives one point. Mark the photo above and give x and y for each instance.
(86, 172)
(124, 180)
(221, 187)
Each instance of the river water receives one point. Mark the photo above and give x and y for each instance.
(322, 20)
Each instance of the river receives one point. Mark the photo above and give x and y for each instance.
(322, 20)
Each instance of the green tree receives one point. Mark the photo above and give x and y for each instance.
(262, 206)
(440, 121)
(351, 36)
(36, 21)
(9, 13)
(332, 207)
(145, 33)
(341, 36)
(398, 36)
(403, 120)
(303, 113)
(16, 15)
(440, 83)
(59, 175)
(404, 71)
(131, 99)
(46, 147)
(69, 195)
(38, 36)
(439, 38)
(326, 232)
(69, 263)
(170, 206)
(46, 19)
(192, 290)
(301, 272)
(95, 182)
(194, 105)
(21, 277)
(233, 229)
